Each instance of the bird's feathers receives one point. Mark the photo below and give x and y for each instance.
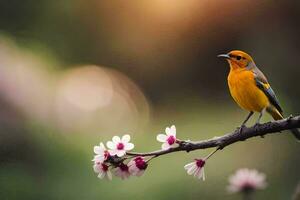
(276, 111)
(266, 88)
(262, 83)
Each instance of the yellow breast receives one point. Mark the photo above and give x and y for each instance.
(245, 92)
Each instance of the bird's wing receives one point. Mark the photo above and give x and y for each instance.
(262, 83)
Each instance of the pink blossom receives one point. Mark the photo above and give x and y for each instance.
(168, 139)
(196, 168)
(122, 171)
(102, 170)
(137, 166)
(246, 180)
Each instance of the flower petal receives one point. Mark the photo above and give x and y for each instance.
(165, 146)
(101, 175)
(131, 163)
(98, 150)
(128, 146)
(125, 138)
(203, 175)
(111, 145)
(96, 168)
(113, 152)
(126, 175)
(140, 173)
(109, 175)
(173, 145)
(132, 168)
(102, 146)
(117, 172)
(99, 158)
(232, 189)
(173, 130)
(192, 170)
(121, 153)
(197, 172)
(116, 139)
(189, 165)
(161, 138)
(168, 131)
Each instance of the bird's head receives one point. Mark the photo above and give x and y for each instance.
(237, 59)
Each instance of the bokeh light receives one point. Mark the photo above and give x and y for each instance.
(87, 95)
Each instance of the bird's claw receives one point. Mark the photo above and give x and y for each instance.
(240, 129)
(257, 124)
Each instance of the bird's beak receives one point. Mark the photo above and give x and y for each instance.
(224, 56)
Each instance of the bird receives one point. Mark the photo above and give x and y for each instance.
(250, 88)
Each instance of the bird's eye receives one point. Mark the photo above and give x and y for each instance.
(238, 57)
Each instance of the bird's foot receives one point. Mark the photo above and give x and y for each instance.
(257, 124)
(240, 129)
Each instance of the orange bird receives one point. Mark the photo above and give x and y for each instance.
(250, 88)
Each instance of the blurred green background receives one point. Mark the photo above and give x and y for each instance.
(74, 73)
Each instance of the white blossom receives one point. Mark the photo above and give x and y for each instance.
(101, 153)
(119, 146)
(168, 139)
(196, 168)
(102, 170)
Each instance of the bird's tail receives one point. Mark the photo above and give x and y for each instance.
(277, 116)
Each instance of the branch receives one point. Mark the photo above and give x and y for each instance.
(230, 138)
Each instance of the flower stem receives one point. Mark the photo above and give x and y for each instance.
(150, 159)
(247, 195)
(211, 153)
